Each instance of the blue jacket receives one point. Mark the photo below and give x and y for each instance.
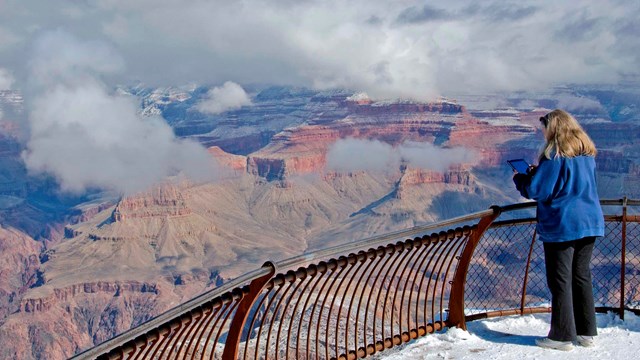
(568, 203)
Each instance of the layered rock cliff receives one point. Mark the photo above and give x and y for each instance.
(163, 200)
(19, 268)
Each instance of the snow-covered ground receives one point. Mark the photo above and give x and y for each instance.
(512, 338)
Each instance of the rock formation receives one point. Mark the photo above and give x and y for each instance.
(19, 268)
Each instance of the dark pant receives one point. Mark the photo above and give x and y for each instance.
(569, 279)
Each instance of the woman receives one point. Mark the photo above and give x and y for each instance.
(569, 220)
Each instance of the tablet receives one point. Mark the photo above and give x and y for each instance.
(519, 165)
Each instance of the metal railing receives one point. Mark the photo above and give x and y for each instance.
(357, 299)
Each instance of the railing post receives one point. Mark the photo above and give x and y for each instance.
(456, 300)
(239, 319)
(623, 260)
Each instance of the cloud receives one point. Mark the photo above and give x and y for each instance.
(229, 96)
(6, 79)
(352, 154)
(502, 11)
(577, 103)
(58, 58)
(582, 27)
(7, 38)
(361, 96)
(87, 137)
(426, 13)
(386, 49)
(429, 156)
(358, 154)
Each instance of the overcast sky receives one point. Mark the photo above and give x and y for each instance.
(385, 48)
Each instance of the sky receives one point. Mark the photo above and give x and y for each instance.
(385, 48)
(68, 56)
(513, 338)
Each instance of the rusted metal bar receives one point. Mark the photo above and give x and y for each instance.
(364, 257)
(227, 308)
(393, 253)
(331, 265)
(451, 245)
(202, 318)
(151, 343)
(399, 250)
(148, 340)
(343, 266)
(237, 324)
(253, 319)
(623, 257)
(304, 279)
(414, 244)
(374, 255)
(302, 275)
(212, 315)
(349, 263)
(456, 300)
(315, 278)
(165, 333)
(440, 243)
(265, 317)
(292, 279)
(406, 252)
(185, 321)
(421, 251)
(375, 281)
(446, 274)
(214, 345)
(509, 312)
(526, 273)
(346, 330)
(321, 271)
(438, 265)
(428, 247)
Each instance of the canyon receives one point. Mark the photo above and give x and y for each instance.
(78, 270)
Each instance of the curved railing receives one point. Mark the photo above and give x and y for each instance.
(357, 299)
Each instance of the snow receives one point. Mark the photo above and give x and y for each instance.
(513, 338)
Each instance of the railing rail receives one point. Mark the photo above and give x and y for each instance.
(353, 300)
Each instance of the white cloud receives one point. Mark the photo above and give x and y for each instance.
(229, 96)
(429, 156)
(59, 58)
(6, 79)
(386, 49)
(575, 103)
(372, 155)
(361, 96)
(86, 136)
(358, 154)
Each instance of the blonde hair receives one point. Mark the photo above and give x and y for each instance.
(565, 137)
